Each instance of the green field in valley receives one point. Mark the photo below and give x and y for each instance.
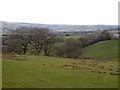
(54, 72)
(74, 36)
(105, 49)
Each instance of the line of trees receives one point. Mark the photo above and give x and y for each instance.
(41, 39)
(72, 48)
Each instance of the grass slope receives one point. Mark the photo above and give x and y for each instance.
(107, 49)
(74, 36)
(51, 72)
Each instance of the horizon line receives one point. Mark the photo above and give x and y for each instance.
(55, 24)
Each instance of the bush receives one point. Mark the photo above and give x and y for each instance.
(70, 49)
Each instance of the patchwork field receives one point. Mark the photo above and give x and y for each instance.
(54, 72)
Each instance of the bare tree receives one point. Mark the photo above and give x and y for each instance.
(42, 39)
(17, 41)
(37, 38)
(49, 40)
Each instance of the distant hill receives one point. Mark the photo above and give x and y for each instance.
(10, 26)
(105, 49)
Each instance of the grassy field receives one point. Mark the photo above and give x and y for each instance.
(54, 72)
(75, 36)
(106, 49)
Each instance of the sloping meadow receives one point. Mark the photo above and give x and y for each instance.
(54, 72)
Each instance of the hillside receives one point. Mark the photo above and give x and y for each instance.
(54, 72)
(106, 49)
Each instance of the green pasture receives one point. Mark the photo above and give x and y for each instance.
(74, 36)
(54, 72)
(106, 49)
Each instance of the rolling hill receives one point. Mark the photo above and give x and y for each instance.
(10, 26)
(105, 49)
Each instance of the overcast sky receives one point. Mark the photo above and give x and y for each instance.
(60, 11)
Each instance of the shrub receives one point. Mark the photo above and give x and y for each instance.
(70, 49)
